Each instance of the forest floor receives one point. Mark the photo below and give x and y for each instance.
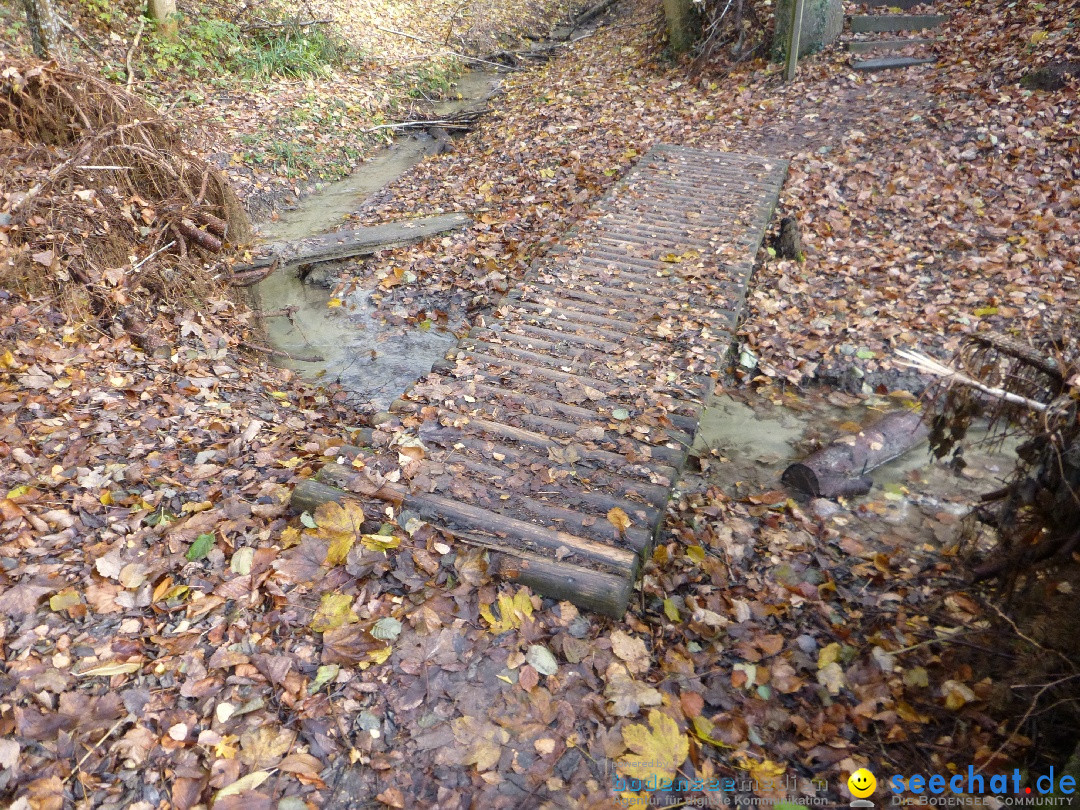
(174, 636)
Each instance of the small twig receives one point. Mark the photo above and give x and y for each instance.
(1028, 639)
(408, 124)
(106, 168)
(131, 52)
(1024, 719)
(403, 34)
(144, 260)
(287, 24)
(96, 745)
(287, 312)
(447, 51)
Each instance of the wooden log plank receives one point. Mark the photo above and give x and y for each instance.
(601, 591)
(591, 289)
(591, 526)
(645, 468)
(535, 317)
(488, 447)
(840, 468)
(592, 590)
(524, 368)
(595, 364)
(441, 511)
(309, 494)
(349, 242)
(559, 311)
(447, 512)
(678, 430)
(567, 430)
(569, 492)
(531, 399)
(526, 332)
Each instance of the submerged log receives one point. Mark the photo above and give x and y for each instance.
(839, 469)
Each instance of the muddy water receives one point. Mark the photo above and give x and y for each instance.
(745, 446)
(753, 442)
(357, 348)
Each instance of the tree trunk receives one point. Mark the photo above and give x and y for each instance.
(44, 28)
(683, 24)
(163, 13)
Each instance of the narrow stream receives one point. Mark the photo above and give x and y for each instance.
(359, 350)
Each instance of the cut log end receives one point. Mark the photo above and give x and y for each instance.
(592, 590)
(840, 468)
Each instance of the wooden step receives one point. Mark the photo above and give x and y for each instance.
(865, 46)
(890, 63)
(877, 23)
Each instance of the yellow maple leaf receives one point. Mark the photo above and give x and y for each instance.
(334, 611)
(290, 537)
(336, 519)
(226, 747)
(377, 657)
(658, 750)
(703, 729)
(513, 611)
(340, 546)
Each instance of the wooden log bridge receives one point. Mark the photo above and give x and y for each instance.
(555, 433)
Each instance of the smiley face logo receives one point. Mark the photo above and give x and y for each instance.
(861, 783)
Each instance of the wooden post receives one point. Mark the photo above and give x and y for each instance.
(793, 42)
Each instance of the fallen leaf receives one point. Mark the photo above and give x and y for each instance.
(658, 750)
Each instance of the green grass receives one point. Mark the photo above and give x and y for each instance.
(207, 44)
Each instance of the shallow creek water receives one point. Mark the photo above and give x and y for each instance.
(358, 349)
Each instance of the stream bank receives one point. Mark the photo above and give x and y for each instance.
(372, 353)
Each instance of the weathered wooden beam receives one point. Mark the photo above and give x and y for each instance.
(877, 23)
(451, 515)
(597, 591)
(840, 468)
(349, 242)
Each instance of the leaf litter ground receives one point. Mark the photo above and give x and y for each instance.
(172, 633)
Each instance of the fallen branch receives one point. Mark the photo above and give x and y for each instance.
(203, 239)
(419, 124)
(81, 38)
(925, 363)
(131, 52)
(249, 277)
(840, 468)
(403, 34)
(144, 260)
(447, 51)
